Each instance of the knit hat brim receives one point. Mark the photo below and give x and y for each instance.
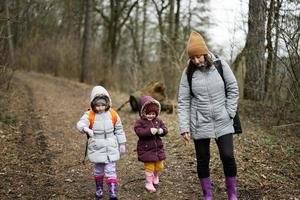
(196, 45)
(151, 108)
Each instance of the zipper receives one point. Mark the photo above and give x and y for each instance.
(155, 141)
(210, 104)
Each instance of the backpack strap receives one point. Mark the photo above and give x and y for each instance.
(219, 66)
(114, 117)
(113, 113)
(91, 118)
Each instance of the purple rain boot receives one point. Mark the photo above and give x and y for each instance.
(231, 188)
(112, 187)
(206, 188)
(99, 187)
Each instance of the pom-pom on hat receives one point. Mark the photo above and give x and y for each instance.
(196, 45)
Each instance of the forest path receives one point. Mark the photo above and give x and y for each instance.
(42, 152)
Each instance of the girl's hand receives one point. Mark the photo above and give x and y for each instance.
(88, 131)
(122, 148)
(160, 131)
(153, 130)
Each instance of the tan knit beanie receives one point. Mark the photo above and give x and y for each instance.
(196, 45)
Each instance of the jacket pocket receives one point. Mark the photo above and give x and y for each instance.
(223, 115)
(97, 145)
(201, 118)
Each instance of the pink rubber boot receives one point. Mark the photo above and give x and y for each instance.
(156, 178)
(149, 182)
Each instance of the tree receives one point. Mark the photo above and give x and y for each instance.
(254, 51)
(115, 16)
(9, 33)
(86, 48)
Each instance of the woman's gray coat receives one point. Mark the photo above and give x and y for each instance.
(209, 114)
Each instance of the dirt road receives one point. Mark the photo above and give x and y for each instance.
(41, 152)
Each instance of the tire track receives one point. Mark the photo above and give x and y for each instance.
(37, 175)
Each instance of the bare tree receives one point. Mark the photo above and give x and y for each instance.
(115, 16)
(9, 34)
(269, 47)
(254, 51)
(86, 48)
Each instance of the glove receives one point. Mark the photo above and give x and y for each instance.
(88, 131)
(153, 130)
(122, 148)
(160, 131)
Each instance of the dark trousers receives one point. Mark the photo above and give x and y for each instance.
(225, 146)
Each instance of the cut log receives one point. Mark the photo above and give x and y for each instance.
(157, 91)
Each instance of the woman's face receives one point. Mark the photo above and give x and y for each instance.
(198, 60)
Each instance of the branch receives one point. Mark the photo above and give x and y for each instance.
(128, 13)
(285, 125)
(106, 19)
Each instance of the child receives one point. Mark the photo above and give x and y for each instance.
(107, 140)
(149, 128)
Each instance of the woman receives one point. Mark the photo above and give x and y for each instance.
(206, 112)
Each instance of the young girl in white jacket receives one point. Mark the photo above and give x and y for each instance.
(107, 140)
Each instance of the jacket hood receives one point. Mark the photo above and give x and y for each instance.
(213, 57)
(145, 100)
(99, 91)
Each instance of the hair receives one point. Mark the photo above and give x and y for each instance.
(191, 68)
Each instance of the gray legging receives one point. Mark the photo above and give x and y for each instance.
(225, 145)
(105, 169)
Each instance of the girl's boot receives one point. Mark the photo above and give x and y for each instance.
(112, 187)
(149, 182)
(206, 188)
(231, 188)
(99, 187)
(156, 178)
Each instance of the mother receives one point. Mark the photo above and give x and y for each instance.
(206, 112)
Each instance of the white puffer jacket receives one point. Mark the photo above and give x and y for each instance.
(103, 147)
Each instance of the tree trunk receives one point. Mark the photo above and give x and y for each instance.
(273, 72)
(254, 51)
(85, 61)
(176, 24)
(270, 49)
(9, 34)
(157, 91)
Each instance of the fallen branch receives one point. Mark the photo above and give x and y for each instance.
(285, 125)
(123, 105)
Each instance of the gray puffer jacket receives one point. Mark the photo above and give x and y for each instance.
(209, 114)
(103, 147)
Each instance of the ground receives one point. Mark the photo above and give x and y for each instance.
(41, 151)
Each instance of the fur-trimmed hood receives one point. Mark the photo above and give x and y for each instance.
(144, 101)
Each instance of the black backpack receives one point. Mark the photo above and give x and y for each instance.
(236, 120)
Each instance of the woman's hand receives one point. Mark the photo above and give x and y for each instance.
(186, 136)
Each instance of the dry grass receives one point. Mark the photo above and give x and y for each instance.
(41, 153)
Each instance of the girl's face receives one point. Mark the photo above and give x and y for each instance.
(100, 107)
(198, 60)
(150, 116)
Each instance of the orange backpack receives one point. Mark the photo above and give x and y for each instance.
(92, 117)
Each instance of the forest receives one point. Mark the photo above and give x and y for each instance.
(123, 46)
